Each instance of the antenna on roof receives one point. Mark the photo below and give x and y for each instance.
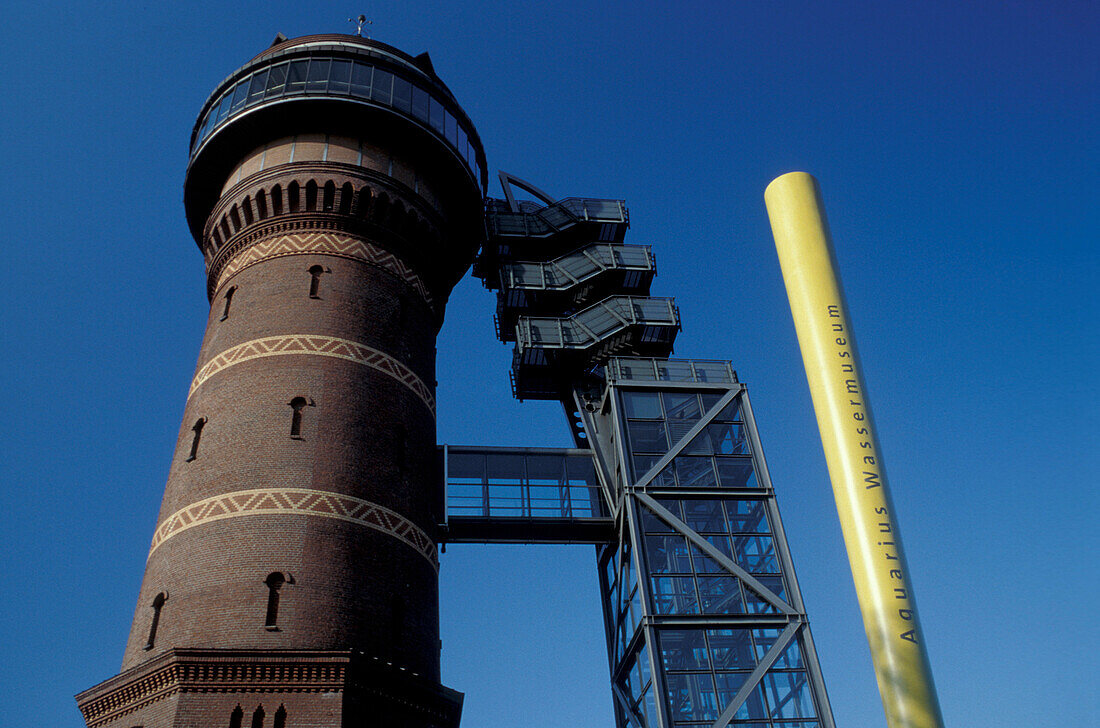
(359, 23)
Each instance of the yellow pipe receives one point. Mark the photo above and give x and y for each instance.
(867, 516)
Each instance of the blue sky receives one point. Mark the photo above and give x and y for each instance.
(956, 145)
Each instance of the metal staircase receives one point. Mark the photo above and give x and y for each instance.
(587, 274)
(570, 294)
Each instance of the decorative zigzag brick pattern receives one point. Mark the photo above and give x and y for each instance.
(325, 243)
(309, 344)
(297, 501)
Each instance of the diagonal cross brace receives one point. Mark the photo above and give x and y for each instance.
(686, 439)
(728, 564)
(755, 676)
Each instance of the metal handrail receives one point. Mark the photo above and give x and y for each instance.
(538, 224)
(627, 310)
(601, 256)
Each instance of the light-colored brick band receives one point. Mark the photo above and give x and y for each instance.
(325, 243)
(297, 501)
(309, 344)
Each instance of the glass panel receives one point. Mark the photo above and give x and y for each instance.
(709, 400)
(381, 86)
(722, 543)
(712, 372)
(318, 75)
(753, 707)
(682, 406)
(755, 603)
(704, 563)
(756, 554)
(206, 124)
(673, 505)
(646, 436)
(420, 103)
(651, 523)
(788, 695)
(720, 595)
(650, 709)
(664, 479)
(667, 554)
(340, 77)
(746, 515)
(691, 697)
(462, 142)
(643, 666)
(223, 107)
(674, 595)
(765, 638)
(731, 412)
(436, 115)
(402, 94)
(451, 128)
(240, 95)
(705, 516)
(505, 468)
(737, 472)
(546, 469)
(360, 79)
(642, 405)
(683, 649)
(731, 649)
(465, 466)
(296, 77)
(641, 371)
(276, 81)
(256, 89)
(674, 371)
(729, 683)
(695, 472)
(678, 430)
(727, 439)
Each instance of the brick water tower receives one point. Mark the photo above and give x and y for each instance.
(335, 189)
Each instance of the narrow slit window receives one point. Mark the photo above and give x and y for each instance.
(228, 301)
(280, 718)
(196, 431)
(158, 602)
(277, 200)
(258, 717)
(346, 194)
(311, 196)
(236, 717)
(328, 202)
(292, 193)
(297, 405)
(315, 281)
(274, 583)
(261, 204)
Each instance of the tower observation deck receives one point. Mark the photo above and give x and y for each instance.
(337, 192)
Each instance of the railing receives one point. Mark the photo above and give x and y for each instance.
(559, 216)
(644, 369)
(595, 323)
(577, 267)
(522, 483)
